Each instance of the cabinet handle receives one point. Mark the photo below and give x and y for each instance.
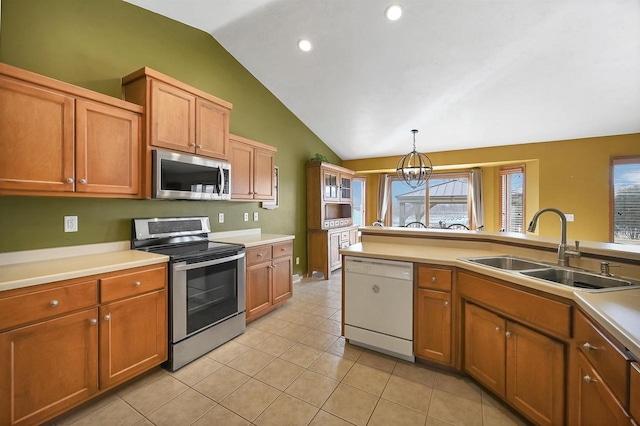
(283, 249)
(271, 267)
(497, 329)
(69, 180)
(376, 289)
(588, 379)
(192, 144)
(83, 181)
(137, 283)
(588, 346)
(446, 303)
(199, 146)
(93, 321)
(433, 279)
(260, 254)
(107, 317)
(53, 303)
(508, 334)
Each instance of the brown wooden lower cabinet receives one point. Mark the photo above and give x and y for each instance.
(269, 277)
(634, 391)
(433, 325)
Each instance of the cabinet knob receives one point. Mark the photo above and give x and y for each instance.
(588, 379)
(588, 346)
(137, 283)
(433, 279)
(271, 267)
(199, 146)
(446, 303)
(260, 254)
(192, 144)
(283, 249)
(497, 329)
(83, 181)
(93, 321)
(53, 303)
(107, 317)
(508, 334)
(69, 180)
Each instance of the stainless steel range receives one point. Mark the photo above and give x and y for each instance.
(207, 284)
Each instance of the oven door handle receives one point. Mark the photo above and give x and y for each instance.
(186, 267)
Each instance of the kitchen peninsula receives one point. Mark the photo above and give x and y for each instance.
(504, 328)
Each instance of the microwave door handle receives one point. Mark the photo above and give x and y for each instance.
(187, 267)
(221, 181)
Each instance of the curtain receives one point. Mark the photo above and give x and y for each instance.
(477, 201)
(384, 187)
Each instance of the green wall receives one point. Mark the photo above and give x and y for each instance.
(92, 44)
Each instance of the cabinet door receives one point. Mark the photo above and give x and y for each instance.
(535, 375)
(107, 149)
(353, 236)
(334, 250)
(282, 279)
(345, 187)
(173, 120)
(484, 347)
(330, 185)
(433, 325)
(36, 138)
(259, 289)
(47, 368)
(595, 404)
(133, 337)
(241, 158)
(212, 130)
(264, 162)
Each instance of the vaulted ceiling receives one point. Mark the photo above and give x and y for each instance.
(464, 73)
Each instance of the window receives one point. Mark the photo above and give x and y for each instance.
(447, 198)
(512, 199)
(625, 194)
(359, 202)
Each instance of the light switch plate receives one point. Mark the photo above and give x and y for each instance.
(71, 224)
(255, 216)
(246, 217)
(569, 217)
(220, 217)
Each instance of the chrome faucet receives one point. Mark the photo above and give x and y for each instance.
(564, 253)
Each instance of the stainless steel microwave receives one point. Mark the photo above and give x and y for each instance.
(188, 177)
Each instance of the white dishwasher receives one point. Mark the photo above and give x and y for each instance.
(378, 305)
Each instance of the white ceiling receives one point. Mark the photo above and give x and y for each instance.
(465, 73)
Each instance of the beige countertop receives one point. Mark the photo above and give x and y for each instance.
(36, 272)
(249, 237)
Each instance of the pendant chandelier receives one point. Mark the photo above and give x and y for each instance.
(414, 168)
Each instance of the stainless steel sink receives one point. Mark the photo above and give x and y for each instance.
(508, 263)
(579, 279)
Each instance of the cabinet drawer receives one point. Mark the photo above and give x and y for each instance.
(540, 312)
(132, 282)
(258, 254)
(282, 249)
(634, 393)
(37, 305)
(606, 358)
(434, 278)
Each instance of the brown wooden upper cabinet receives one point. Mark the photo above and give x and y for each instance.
(59, 139)
(252, 169)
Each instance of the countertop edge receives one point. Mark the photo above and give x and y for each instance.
(256, 240)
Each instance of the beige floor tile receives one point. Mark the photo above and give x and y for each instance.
(377, 360)
(228, 352)
(251, 399)
(221, 416)
(143, 422)
(287, 410)
(76, 416)
(150, 397)
(301, 355)
(500, 417)
(302, 306)
(279, 374)
(185, 409)
(489, 399)
(459, 385)
(432, 421)
(334, 303)
(367, 378)
(269, 324)
(323, 311)
(388, 413)
(308, 320)
(416, 372)
(325, 419)
(319, 340)
(251, 337)
(341, 348)
(285, 314)
(455, 409)
(221, 383)
(351, 404)
(313, 388)
(275, 345)
(332, 366)
(407, 393)
(197, 370)
(142, 381)
(118, 413)
(330, 326)
(294, 332)
(251, 362)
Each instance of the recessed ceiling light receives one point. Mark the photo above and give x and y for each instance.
(393, 12)
(304, 45)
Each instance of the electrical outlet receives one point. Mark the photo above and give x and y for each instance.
(255, 216)
(246, 217)
(297, 260)
(71, 224)
(220, 217)
(569, 217)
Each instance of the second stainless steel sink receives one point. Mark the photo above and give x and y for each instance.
(509, 263)
(578, 279)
